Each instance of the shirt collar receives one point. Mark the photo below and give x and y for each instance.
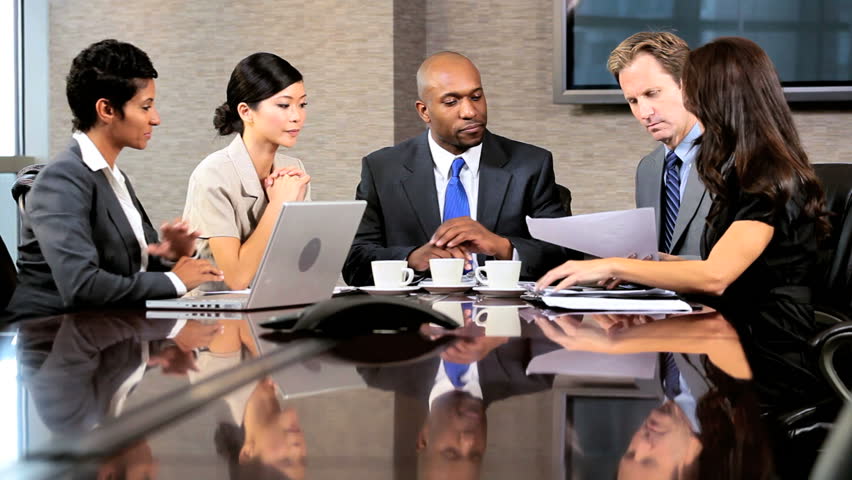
(684, 150)
(443, 159)
(92, 157)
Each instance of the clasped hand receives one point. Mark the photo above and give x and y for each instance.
(460, 237)
(286, 184)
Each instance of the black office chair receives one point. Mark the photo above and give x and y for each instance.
(8, 276)
(833, 296)
(806, 428)
(8, 272)
(564, 198)
(23, 182)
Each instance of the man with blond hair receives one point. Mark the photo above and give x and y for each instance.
(647, 66)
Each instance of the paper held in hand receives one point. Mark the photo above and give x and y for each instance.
(606, 234)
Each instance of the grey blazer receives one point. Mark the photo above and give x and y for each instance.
(516, 180)
(77, 247)
(694, 206)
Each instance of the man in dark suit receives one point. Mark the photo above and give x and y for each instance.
(647, 66)
(457, 189)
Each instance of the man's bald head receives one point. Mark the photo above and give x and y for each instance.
(451, 101)
(438, 64)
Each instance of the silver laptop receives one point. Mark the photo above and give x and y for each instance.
(300, 265)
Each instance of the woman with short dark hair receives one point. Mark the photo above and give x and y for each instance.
(235, 194)
(86, 239)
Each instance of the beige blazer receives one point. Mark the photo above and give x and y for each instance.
(225, 197)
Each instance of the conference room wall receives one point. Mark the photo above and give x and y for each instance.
(359, 60)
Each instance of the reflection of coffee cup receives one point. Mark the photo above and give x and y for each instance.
(453, 310)
(446, 271)
(391, 273)
(499, 273)
(503, 321)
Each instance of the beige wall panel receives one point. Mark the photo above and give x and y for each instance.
(344, 50)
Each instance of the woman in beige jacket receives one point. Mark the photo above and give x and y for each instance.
(235, 194)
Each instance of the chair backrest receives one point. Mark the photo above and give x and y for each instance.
(8, 275)
(836, 288)
(564, 198)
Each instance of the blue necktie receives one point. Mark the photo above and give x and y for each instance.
(670, 375)
(455, 198)
(455, 371)
(671, 201)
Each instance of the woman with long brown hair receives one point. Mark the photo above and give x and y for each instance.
(761, 239)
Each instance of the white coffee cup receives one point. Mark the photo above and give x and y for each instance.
(391, 273)
(500, 273)
(451, 309)
(501, 321)
(446, 271)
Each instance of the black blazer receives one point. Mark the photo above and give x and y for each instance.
(77, 247)
(516, 180)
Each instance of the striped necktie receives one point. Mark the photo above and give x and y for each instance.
(670, 375)
(671, 200)
(455, 198)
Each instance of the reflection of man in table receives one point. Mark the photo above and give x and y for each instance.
(453, 392)
(665, 446)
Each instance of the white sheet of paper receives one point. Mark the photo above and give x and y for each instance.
(586, 303)
(592, 364)
(606, 234)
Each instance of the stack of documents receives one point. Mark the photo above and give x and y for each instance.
(616, 300)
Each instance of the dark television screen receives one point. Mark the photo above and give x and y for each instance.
(810, 41)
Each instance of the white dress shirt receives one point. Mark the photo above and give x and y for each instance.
(444, 385)
(686, 151)
(442, 161)
(469, 174)
(93, 159)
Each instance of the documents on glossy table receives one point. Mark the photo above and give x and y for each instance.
(517, 391)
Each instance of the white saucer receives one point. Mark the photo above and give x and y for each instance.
(390, 291)
(456, 288)
(501, 292)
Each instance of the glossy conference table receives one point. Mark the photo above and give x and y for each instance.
(553, 395)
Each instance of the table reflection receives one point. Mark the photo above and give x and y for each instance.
(685, 396)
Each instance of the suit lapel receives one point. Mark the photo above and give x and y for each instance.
(151, 235)
(494, 180)
(119, 219)
(418, 183)
(692, 196)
